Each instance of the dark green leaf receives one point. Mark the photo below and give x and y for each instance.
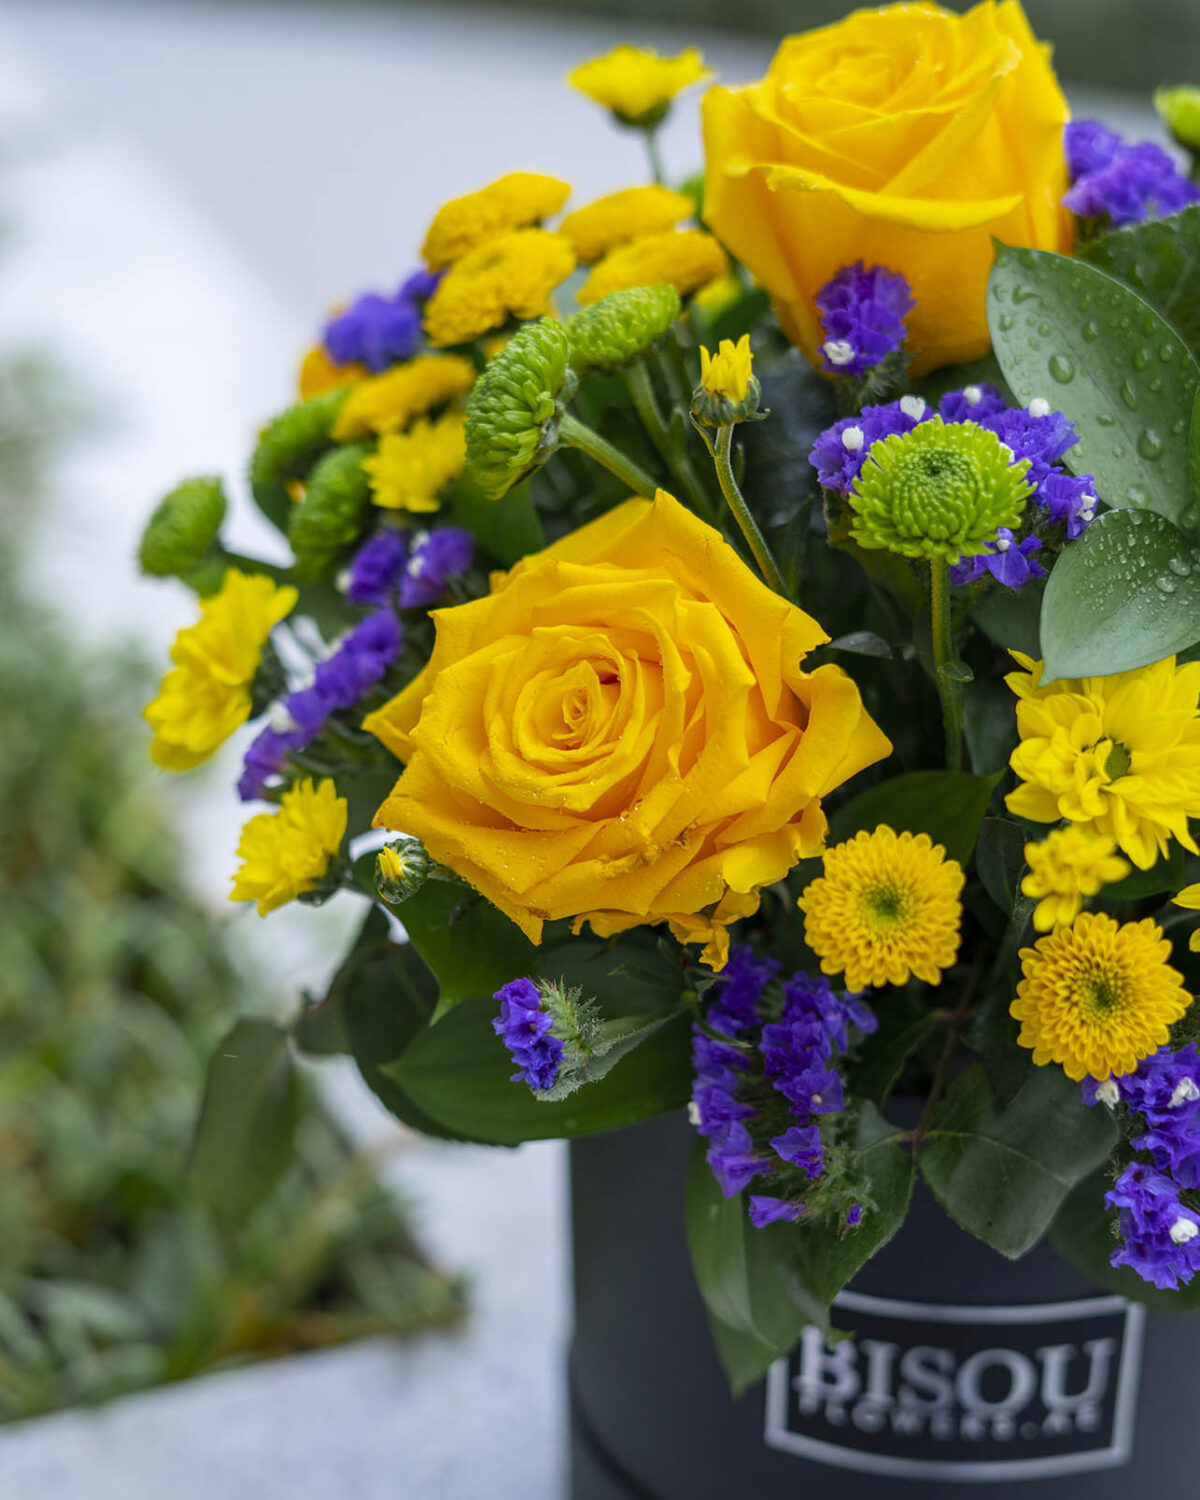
(744, 1358)
(1160, 261)
(1002, 1173)
(1126, 593)
(1190, 517)
(1011, 620)
(470, 946)
(904, 1023)
(508, 529)
(999, 860)
(947, 805)
(1170, 873)
(990, 720)
(252, 1100)
(1069, 333)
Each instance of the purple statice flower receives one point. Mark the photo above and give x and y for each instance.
(1008, 561)
(1089, 147)
(862, 312)
(840, 452)
(377, 567)
(973, 403)
(854, 1216)
(525, 1029)
(764, 1210)
(733, 1158)
(1121, 181)
(800, 1146)
(1069, 498)
(434, 558)
(379, 331)
(738, 988)
(1160, 1236)
(1165, 1093)
(266, 757)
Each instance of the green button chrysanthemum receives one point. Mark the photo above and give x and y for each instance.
(183, 528)
(515, 407)
(941, 490)
(621, 327)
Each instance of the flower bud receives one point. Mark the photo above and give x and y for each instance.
(183, 528)
(729, 390)
(288, 447)
(515, 407)
(328, 518)
(401, 869)
(1179, 109)
(623, 327)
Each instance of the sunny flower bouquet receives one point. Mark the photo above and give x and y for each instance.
(740, 648)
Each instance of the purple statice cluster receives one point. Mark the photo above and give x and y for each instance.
(748, 1059)
(1119, 180)
(862, 313)
(1160, 1235)
(339, 682)
(1036, 432)
(408, 568)
(524, 1027)
(379, 331)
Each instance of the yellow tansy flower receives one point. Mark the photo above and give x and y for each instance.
(886, 908)
(511, 202)
(1119, 755)
(686, 259)
(410, 469)
(509, 277)
(617, 217)
(1068, 865)
(206, 694)
(1097, 997)
(285, 853)
(638, 85)
(388, 402)
(727, 373)
(319, 374)
(1189, 899)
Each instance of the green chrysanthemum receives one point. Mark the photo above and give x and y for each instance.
(941, 490)
(622, 327)
(329, 517)
(514, 410)
(183, 528)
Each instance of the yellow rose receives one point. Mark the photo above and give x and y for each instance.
(904, 137)
(622, 733)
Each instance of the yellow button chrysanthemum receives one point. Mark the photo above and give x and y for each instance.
(638, 85)
(410, 469)
(1119, 755)
(1189, 899)
(595, 228)
(727, 373)
(887, 908)
(509, 277)
(285, 853)
(388, 402)
(319, 374)
(206, 694)
(1068, 865)
(511, 202)
(687, 259)
(1097, 997)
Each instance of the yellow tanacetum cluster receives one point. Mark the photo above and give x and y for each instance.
(206, 694)
(727, 373)
(1068, 865)
(1189, 899)
(595, 228)
(638, 85)
(511, 202)
(511, 276)
(1119, 755)
(389, 402)
(1097, 996)
(409, 469)
(286, 853)
(886, 909)
(319, 374)
(687, 259)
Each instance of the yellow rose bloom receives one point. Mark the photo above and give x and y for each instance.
(687, 259)
(206, 694)
(623, 733)
(1068, 865)
(1118, 755)
(509, 277)
(388, 402)
(511, 202)
(410, 469)
(636, 84)
(285, 853)
(905, 137)
(319, 374)
(617, 217)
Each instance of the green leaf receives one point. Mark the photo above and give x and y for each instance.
(1002, 1172)
(1168, 873)
(1160, 261)
(1126, 593)
(1010, 620)
(744, 1358)
(1194, 462)
(904, 1023)
(471, 947)
(947, 805)
(999, 860)
(252, 1100)
(508, 529)
(1068, 332)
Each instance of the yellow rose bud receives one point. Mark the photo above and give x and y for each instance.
(906, 137)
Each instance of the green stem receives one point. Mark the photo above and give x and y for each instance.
(577, 435)
(641, 389)
(948, 686)
(655, 154)
(722, 456)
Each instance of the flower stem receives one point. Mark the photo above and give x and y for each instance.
(655, 154)
(577, 435)
(674, 453)
(948, 686)
(755, 540)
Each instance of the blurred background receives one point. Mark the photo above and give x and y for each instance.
(185, 188)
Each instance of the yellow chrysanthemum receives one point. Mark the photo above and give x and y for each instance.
(1119, 755)
(1068, 865)
(410, 469)
(511, 202)
(1097, 997)
(509, 277)
(686, 259)
(285, 853)
(886, 908)
(319, 374)
(617, 217)
(638, 85)
(727, 373)
(1189, 899)
(206, 694)
(388, 402)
